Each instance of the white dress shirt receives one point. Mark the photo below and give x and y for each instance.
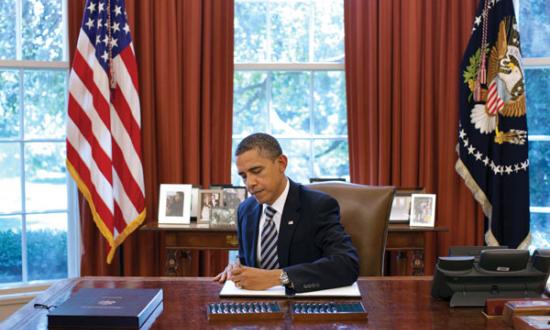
(279, 206)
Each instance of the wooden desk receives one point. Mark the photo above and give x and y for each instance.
(391, 302)
(179, 239)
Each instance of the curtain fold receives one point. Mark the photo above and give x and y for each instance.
(402, 75)
(184, 51)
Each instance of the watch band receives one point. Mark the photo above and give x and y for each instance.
(284, 279)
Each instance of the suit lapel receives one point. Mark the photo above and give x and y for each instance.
(289, 221)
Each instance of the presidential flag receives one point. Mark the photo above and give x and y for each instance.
(104, 122)
(492, 132)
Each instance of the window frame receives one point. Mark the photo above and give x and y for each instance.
(283, 67)
(534, 63)
(19, 66)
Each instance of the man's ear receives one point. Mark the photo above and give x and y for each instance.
(283, 162)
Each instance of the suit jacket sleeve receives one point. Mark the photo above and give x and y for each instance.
(239, 235)
(339, 263)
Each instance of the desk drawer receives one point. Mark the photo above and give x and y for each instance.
(405, 241)
(202, 240)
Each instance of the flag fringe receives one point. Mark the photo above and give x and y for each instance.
(471, 184)
(133, 225)
(113, 243)
(486, 206)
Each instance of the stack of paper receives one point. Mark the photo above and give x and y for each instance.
(230, 290)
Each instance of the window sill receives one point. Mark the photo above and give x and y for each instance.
(22, 293)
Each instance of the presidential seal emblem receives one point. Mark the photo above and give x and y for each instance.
(106, 302)
(498, 89)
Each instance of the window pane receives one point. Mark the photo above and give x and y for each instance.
(330, 115)
(47, 246)
(329, 31)
(42, 30)
(46, 178)
(7, 30)
(298, 152)
(289, 31)
(538, 103)
(10, 178)
(303, 109)
(534, 16)
(331, 158)
(540, 230)
(45, 104)
(9, 104)
(249, 102)
(539, 173)
(250, 32)
(290, 103)
(10, 249)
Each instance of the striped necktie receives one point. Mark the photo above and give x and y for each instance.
(269, 260)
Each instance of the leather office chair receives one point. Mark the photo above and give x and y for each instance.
(364, 213)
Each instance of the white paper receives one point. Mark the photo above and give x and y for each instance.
(230, 290)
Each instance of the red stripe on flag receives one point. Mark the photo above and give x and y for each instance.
(84, 124)
(500, 105)
(493, 98)
(129, 60)
(125, 114)
(129, 184)
(84, 173)
(86, 75)
(119, 219)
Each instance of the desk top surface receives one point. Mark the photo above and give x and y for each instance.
(391, 302)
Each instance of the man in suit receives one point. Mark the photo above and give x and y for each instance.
(288, 234)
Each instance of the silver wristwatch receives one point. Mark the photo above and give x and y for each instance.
(284, 279)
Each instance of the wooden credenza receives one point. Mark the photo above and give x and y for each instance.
(405, 245)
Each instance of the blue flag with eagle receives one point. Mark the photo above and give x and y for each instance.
(492, 132)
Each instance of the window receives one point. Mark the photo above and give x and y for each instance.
(289, 82)
(35, 196)
(534, 23)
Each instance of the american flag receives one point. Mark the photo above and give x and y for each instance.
(104, 122)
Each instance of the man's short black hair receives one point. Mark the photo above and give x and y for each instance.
(266, 145)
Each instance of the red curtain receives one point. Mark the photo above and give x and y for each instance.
(184, 51)
(402, 75)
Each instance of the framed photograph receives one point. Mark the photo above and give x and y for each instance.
(400, 208)
(195, 201)
(175, 203)
(422, 210)
(233, 196)
(227, 214)
(209, 199)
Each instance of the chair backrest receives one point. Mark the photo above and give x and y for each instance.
(364, 213)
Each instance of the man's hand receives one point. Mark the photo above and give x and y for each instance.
(255, 278)
(227, 272)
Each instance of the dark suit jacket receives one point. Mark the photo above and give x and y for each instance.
(312, 246)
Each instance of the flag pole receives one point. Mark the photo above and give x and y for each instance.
(121, 260)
